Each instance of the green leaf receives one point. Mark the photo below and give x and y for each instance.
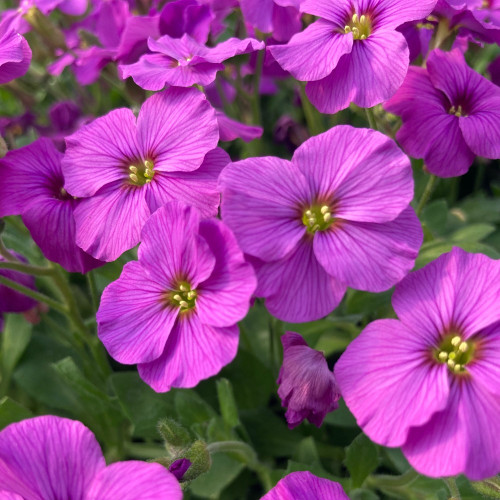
(316, 469)
(15, 339)
(435, 216)
(227, 403)
(490, 488)
(362, 494)
(192, 409)
(143, 406)
(11, 412)
(473, 233)
(341, 417)
(361, 459)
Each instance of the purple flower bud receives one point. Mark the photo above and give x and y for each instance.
(307, 386)
(180, 467)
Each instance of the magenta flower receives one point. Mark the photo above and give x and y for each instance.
(35, 191)
(429, 382)
(194, 285)
(124, 169)
(305, 486)
(450, 114)
(230, 129)
(183, 62)
(52, 457)
(15, 54)
(306, 386)
(353, 53)
(337, 215)
(10, 300)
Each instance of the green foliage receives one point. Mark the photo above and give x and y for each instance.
(361, 459)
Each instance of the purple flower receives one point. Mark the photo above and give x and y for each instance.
(306, 386)
(230, 129)
(35, 191)
(429, 382)
(194, 286)
(15, 54)
(51, 457)
(10, 300)
(71, 7)
(450, 114)
(183, 62)
(126, 168)
(337, 215)
(353, 53)
(180, 467)
(305, 486)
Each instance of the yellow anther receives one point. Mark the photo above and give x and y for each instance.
(325, 209)
(177, 297)
(148, 173)
(455, 341)
(443, 356)
(327, 217)
(451, 363)
(184, 304)
(183, 288)
(463, 347)
(191, 295)
(308, 213)
(355, 32)
(148, 164)
(134, 178)
(347, 29)
(355, 19)
(312, 221)
(457, 368)
(362, 37)
(362, 19)
(133, 169)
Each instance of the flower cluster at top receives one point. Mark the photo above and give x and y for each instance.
(138, 161)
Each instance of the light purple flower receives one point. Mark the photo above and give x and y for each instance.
(51, 457)
(230, 129)
(35, 191)
(194, 286)
(183, 62)
(305, 486)
(125, 168)
(70, 7)
(10, 300)
(337, 215)
(430, 381)
(353, 53)
(450, 114)
(307, 387)
(15, 54)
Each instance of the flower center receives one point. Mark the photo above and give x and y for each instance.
(455, 352)
(359, 26)
(317, 218)
(183, 297)
(457, 111)
(141, 173)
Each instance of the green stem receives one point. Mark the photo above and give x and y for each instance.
(452, 486)
(313, 118)
(426, 194)
(17, 265)
(93, 290)
(371, 118)
(256, 110)
(385, 481)
(4, 252)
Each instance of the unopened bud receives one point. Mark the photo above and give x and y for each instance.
(174, 434)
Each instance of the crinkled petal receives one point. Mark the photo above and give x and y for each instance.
(181, 142)
(232, 47)
(393, 13)
(297, 288)
(48, 457)
(313, 53)
(366, 174)
(150, 72)
(336, 12)
(370, 256)
(134, 318)
(261, 203)
(389, 383)
(194, 352)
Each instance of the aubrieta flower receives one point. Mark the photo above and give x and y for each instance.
(450, 114)
(183, 62)
(126, 168)
(194, 286)
(35, 190)
(305, 486)
(353, 53)
(430, 381)
(15, 54)
(51, 457)
(307, 386)
(10, 300)
(336, 215)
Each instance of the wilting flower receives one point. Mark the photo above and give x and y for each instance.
(51, 457)
(126, 168)
(353, 53)
(194, 286)
(183, 62)
(450, 114)
(15, 54)
(305, 486)
(10, 300)
(337, 215)
(306, 386)
(430, 381)
(35, 191)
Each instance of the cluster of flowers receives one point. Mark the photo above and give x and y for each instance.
(295, 232)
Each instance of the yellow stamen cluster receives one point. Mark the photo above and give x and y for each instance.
(142, 174)
(456, 353)
(317, 218)
(457, 111)
(360, 27)
(184, 297)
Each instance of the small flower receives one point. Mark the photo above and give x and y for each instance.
(51, 457)
(429, 382)
(450, 114)
(15, 54)
(306, 386)
(305, 486)
(174, 312)
(336, 215)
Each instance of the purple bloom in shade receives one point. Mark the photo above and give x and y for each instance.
(35, 190)
(450, 114)
(15, 55)
(305, 486)
(337, 215)
(307, 387)
(353, 53)
(195, 286)
(430, 381)
(230, 129)
(52, 457)
(124, 169)
(183, 62)
(180, 467)
(494, 70)
(10, 300)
